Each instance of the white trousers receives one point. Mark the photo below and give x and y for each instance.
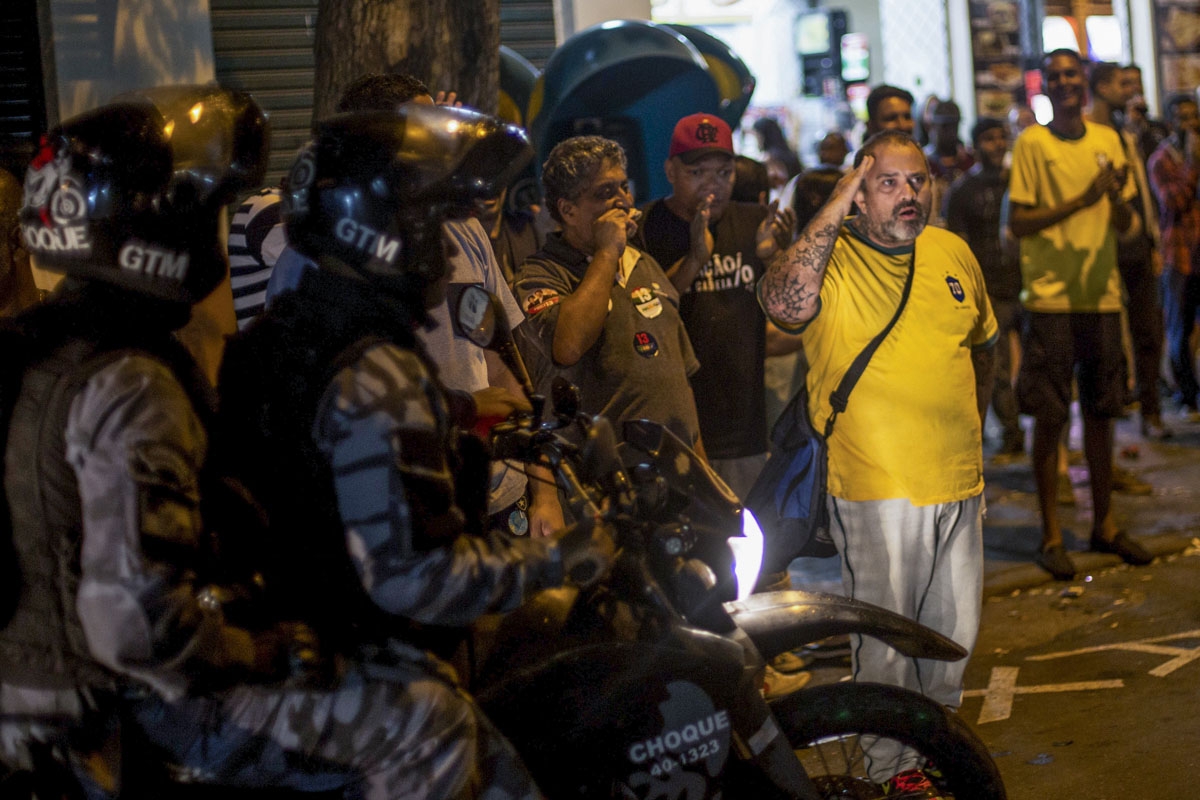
(926, 563)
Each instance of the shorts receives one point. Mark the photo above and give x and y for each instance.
(1056, 348)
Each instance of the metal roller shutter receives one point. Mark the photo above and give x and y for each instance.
(527, 26)
(265, 47)
(22, 94)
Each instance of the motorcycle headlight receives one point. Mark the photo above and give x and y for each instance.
(747, 554)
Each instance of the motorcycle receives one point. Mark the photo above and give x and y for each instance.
(645, 683)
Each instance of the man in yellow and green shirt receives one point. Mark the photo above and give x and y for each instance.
(905, 457)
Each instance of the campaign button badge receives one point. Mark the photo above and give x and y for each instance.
(646, 303)
(645, 344)
(541, 299)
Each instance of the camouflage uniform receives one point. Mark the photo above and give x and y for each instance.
(382, 427)
(396, 727)
(347, 437)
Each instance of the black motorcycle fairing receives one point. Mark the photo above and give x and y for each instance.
(534, 631)
(692, 487)
(776, 621)
(634, 718)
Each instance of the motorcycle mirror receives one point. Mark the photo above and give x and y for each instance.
(565, 396)
(479, 317)
(475, 315)
(599, 455)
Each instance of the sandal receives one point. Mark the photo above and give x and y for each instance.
(1121, 545)
(1054, 559)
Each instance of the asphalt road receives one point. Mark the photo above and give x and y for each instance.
(1089, 689)
(1085, 689)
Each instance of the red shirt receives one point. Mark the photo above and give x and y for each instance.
(1174, 182)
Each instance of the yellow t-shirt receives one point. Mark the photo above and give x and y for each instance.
(1072, 265)
(911, 428)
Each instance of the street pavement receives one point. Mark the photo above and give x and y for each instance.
(1164, 521)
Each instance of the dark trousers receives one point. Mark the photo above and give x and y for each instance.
(1181, 299)
(1145, 331)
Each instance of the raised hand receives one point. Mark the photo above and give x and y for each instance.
(612, 229)
(848, 185)
(701, 239)
(775, 231)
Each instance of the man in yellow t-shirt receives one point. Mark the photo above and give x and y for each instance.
(905, 458)
(1068, 200)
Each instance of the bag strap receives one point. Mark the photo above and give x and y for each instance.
(841, 395)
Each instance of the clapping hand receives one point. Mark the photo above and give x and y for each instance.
(700, 238)
(775, 231)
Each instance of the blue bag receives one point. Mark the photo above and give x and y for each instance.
(788, 498)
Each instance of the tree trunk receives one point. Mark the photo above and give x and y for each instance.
(451, 45)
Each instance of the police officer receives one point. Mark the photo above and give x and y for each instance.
(344, 432)
(104, 416)
(106, 456)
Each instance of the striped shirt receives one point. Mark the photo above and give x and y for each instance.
(256, 238)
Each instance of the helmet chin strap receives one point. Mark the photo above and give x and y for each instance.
(408, 289)
(420, 280)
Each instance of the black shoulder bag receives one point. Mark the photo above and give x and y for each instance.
(788, 498)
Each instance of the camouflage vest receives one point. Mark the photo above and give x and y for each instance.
(42, 643)
(273, 377)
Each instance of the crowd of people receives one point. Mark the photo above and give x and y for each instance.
(343, 389)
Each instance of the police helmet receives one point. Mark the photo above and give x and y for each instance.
(372, 189)
(131, 193)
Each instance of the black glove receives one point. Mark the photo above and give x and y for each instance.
(587, 550)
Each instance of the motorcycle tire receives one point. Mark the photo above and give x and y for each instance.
(824, 723)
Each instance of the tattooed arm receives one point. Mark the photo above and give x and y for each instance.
(793, 279)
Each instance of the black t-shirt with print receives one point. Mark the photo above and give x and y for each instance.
(724, 322)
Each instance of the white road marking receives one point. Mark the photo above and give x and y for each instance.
(1002, 689)
(1182, 655)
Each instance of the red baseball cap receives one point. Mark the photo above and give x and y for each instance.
(699, 135)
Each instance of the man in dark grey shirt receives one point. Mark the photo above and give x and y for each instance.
(605, 315)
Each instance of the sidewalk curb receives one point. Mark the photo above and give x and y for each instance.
(1006, 580)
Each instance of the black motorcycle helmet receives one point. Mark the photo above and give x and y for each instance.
(372, 189)
(131, 193)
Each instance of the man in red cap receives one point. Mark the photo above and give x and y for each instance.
(714, 250)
